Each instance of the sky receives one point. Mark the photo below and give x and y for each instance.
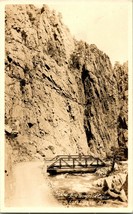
(100, 22)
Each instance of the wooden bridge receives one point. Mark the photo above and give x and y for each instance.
(74, 164)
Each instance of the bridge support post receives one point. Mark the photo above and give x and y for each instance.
(73, 163)
(60, 163)
(85, 162)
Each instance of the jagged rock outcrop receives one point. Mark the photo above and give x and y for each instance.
(101, 97)
(61, 96)
(121, 73)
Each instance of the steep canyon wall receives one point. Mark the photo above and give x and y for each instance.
(62, 96)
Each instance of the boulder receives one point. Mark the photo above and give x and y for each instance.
(8, 129)
(125, 185)
(116, 166)
(116, 187)
(107, 184)
(123, 196)
(112, 194)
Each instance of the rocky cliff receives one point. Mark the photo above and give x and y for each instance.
(62, 96)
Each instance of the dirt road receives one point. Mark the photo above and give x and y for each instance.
(30, 187)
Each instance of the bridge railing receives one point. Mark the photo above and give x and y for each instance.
(71, 157)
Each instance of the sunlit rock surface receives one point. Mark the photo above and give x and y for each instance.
(62, 96)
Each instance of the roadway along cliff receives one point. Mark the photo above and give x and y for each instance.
(30, 187)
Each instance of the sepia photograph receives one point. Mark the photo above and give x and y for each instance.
(67, 131)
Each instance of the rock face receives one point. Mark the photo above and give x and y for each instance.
(115, 185)
(122, 121)
(61, 96)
